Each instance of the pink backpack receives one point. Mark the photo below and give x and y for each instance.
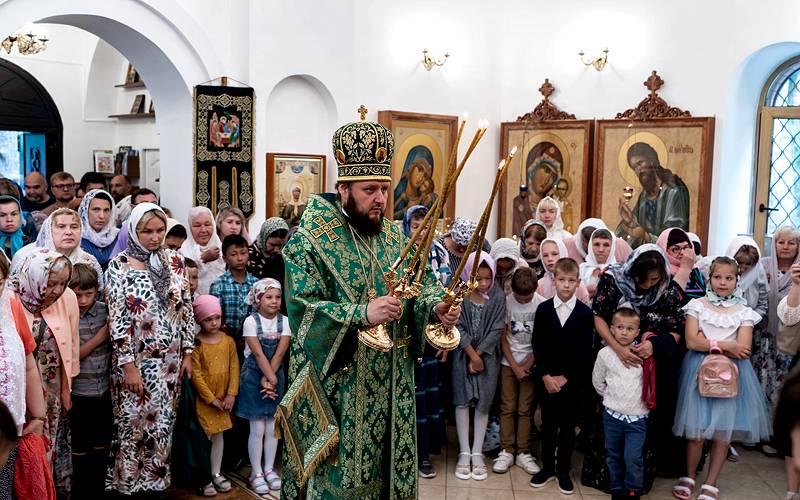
(717, 376)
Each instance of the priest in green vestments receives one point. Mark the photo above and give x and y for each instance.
(334, 275)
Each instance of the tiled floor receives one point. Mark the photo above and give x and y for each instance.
(753, 477)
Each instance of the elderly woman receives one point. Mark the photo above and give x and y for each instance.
(643, 282)
(204, 247)
(98, 214)
(770, 364)
(231, 220)
(61, 232)
(152, 335)
(456, 240)
(39, 283)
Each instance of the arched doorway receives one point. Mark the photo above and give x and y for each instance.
(29, 117)
(167, 47)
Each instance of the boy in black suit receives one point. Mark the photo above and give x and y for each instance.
(562, 347)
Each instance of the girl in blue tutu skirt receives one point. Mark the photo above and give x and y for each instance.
(720, 319)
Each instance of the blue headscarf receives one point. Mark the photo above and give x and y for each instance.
(409, 214)
(15, 238)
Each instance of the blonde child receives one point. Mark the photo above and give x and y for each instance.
(266, 333)
(215, 376)
(625, 414)
(719, 321)
(551, 250)
(476, 363)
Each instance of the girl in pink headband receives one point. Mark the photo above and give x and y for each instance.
(215, 375)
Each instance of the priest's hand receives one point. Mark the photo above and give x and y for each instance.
(384, 310)
(447, 315)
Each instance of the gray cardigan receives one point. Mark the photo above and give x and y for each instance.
(478, 390)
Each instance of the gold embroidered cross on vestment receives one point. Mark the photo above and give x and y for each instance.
(326, 228)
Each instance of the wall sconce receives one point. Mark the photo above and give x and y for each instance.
(429, 62)
(598, 62)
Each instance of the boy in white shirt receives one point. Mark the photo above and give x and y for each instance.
(516, 382)
(625, 415)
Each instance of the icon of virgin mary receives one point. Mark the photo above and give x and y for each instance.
(416, 186)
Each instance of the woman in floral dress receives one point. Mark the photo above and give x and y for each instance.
(39, 282)
(152, 333)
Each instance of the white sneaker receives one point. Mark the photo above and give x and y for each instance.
(526, 462)
(503, 462)
(792, 495)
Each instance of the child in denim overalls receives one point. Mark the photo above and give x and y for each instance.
(266, 333)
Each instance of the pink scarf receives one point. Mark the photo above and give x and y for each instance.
(484, 258)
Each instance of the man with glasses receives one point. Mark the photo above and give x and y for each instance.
(62, 184)
(36, 197)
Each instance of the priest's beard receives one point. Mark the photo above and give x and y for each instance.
(361, 221)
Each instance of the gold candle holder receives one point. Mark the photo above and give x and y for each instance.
(445, 337)
(403, 285)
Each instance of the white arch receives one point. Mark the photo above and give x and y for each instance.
(170, 51)
(737, 151)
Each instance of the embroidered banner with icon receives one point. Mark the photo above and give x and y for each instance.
(223, 147)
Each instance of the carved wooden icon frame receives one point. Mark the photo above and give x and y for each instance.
(683, 146)
(553, 158)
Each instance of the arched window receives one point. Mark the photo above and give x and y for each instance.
(778, 167)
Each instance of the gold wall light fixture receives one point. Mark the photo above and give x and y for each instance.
(27, 43)
(598, 62)
(429, 62)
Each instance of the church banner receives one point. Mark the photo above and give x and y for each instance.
(223, 147)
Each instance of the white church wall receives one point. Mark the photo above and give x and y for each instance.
(368, 52)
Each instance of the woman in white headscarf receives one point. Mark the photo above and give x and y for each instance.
(601, 254)
(578, 245)
(505, 253)
(61, 231)
(99, 231)
(549, 212)
(203, 246)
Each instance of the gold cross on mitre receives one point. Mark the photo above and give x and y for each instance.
(362, 110)
(326, 228)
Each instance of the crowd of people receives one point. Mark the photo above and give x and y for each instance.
(626, 345)
(136, 350)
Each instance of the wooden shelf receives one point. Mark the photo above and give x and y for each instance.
(134, 85)
(134, 115)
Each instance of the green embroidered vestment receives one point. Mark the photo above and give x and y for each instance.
(371, 393)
